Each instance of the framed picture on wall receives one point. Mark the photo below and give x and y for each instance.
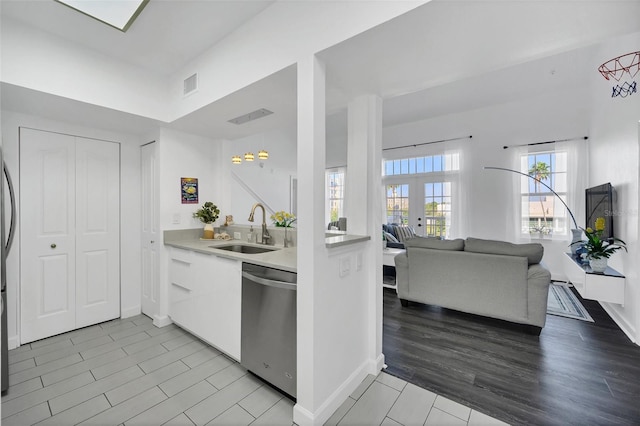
(189, 190)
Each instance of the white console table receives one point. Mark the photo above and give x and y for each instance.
(387, 259)
(607, 286)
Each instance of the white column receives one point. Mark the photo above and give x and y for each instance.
(312, 253)
(363, 201)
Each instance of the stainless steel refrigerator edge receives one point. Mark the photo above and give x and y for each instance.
(4, 355)
(268, 342)
(4, 251)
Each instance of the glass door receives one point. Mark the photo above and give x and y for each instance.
(421, 203)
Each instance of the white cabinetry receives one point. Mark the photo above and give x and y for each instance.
(205, 297)
(603, 287)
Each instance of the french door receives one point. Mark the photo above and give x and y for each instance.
(420, 202)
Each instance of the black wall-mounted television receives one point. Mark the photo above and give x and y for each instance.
(600, 203)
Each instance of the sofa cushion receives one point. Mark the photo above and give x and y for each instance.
(435, 243)
(532, 251)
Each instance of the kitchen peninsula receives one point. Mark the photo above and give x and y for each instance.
(216, 286)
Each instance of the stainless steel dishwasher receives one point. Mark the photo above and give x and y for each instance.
(268, 343)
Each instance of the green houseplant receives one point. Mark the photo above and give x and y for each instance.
(207, 214)
(598, 250)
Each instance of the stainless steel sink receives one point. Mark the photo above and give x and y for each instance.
(242, 248)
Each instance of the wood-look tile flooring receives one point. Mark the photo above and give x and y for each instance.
(574, 373)
(128, 372)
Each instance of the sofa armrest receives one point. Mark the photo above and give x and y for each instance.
(538, 280)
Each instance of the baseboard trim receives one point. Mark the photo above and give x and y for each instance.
(161, 321)
(378, 365)
(130, 312)
(304, 417)
(13, 342)
(624, 325)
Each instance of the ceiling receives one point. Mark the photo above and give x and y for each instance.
(166, 34)
(443, 57)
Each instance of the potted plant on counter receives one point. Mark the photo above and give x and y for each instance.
(208, 214)
(282, 219)
(598, 250)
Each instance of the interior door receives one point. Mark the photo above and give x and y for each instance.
(97, 231)
(47, 236)
(150, 206)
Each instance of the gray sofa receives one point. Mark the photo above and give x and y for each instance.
(483, 277)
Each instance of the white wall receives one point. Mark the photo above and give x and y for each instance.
(269, 179)
(129, 201)
(186, 155)
(41, 61)
(614, 157)
(274, 40)
(487, 194)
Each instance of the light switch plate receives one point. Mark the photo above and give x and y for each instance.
(176, 218)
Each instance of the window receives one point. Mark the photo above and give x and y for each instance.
(542, 213)
(419, 193)
(417, 165)
(335, 194)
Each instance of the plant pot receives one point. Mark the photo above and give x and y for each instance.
(598, 265)
(208, 231)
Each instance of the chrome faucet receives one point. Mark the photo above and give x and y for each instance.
(265, 234)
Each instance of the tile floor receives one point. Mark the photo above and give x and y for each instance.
(128, 372)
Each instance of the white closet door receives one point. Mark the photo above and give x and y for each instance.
(149, 235)
(47, 234)
(97, 231)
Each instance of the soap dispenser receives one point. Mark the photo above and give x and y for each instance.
(250, 234)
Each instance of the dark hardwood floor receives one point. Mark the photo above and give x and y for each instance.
(574, 373)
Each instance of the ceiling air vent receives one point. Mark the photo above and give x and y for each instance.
(262, 112)
(190, 84)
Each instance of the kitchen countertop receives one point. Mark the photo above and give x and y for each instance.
(282, 258)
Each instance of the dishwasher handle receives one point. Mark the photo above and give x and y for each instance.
(268, 282)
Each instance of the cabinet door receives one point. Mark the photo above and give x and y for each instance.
(182, 294)
(220, 304)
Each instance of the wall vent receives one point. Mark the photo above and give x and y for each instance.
(259, 113)
(190, 84)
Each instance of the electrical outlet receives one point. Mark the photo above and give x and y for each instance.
(176, 218)
(345, 266)
(237, 236)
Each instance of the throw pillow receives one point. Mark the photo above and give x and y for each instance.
(435, 243)
(404, 233)
(532, 251)
(390, 237)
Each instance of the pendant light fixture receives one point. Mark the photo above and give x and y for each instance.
(263, 155)
(248, 156)
(236, 159)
